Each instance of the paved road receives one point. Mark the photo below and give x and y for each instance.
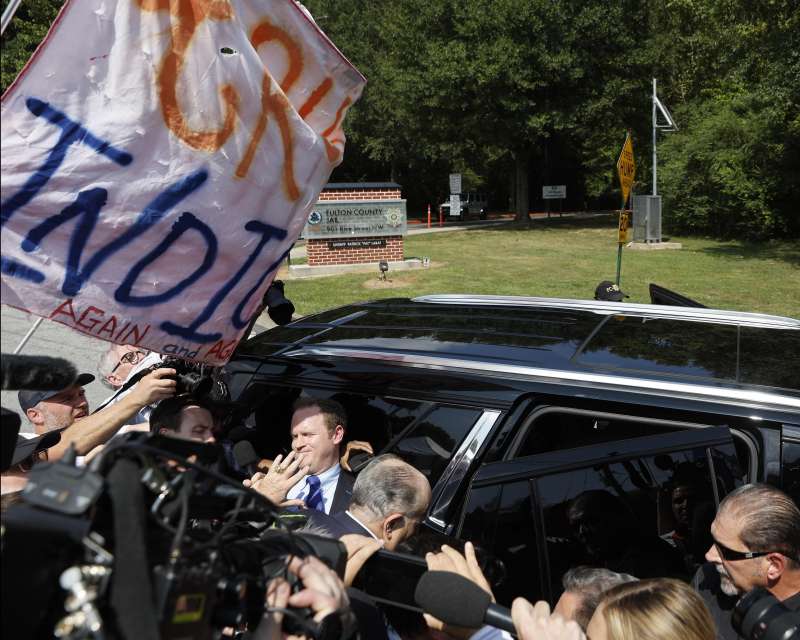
(52, 339)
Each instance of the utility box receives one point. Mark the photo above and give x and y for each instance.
(646, 218)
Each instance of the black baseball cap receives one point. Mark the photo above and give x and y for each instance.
(28, 399)
(609, 291)
(26, 447)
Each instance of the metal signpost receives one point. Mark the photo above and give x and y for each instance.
(669, 126)
(626, 169)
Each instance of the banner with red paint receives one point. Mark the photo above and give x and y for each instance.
(159, 159)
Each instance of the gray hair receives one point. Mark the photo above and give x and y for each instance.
(770, 520)
(108, 360)
(591, 583)
(389, 485)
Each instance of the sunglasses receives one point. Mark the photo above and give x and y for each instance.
(732, 555)
(132, 357)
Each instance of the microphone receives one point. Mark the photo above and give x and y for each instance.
(36, 373)
(245, 456)
(455, 600)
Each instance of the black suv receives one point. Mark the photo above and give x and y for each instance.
(553, 432)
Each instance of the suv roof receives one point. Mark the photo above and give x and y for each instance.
(659, 347)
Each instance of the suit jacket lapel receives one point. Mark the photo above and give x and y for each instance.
(343, 493)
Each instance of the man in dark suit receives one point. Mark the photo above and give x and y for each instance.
(390, 498)
(310, 475)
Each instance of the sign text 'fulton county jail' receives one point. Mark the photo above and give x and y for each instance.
(159, 159)
(353, 219)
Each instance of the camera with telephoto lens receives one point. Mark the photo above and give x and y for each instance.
(761, 616)
(190, 377)
(144, 543)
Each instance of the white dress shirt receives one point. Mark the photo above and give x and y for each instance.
(327, 479)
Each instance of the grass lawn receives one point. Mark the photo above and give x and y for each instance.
(567, 258)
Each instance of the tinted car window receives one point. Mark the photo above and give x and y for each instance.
(664, 347)
(646, 516)
(791, 469)
(729, 469)
(766, 357)
(432, 441)
(374, 419)
(378, 420)
(499, 519)
(557, 430)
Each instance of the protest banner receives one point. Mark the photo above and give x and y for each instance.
(159, 159)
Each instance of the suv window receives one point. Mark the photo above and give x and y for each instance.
(378, 420)
(424, 434)
(647, 516)
(499, 518)
(790, 456)
(558, 429)
(431, 442)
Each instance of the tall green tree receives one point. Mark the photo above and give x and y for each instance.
(24, 33)
(473, 83)
(732, 69)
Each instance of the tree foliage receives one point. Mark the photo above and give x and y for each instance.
(24, 33)
(519, 93)
(734, 71)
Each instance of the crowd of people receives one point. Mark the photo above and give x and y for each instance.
(753, 539)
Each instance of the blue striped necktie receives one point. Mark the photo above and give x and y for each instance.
(314, 499)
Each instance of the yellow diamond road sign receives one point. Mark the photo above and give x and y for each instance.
(626, 168)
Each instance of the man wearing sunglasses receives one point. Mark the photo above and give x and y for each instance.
(117, 362)
(756, 543)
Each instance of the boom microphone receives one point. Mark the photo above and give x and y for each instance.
(36, 373)
(455, 600)
(245, 456)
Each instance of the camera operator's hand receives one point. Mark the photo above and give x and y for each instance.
(448, 559)
(359, 550)
(282, 476)
(153, 387)
(536, 623)
(323, 592)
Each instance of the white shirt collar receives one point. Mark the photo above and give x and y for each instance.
(363, 526)
(326, 475)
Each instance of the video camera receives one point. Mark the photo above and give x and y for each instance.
(190, 377)
(147, 543)
(760, 616)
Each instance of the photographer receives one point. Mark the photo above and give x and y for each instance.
(67, 411)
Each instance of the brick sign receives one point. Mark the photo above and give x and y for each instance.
(347, 219)
(356, 244)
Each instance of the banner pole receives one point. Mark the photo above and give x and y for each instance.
(28, 335)
(9, 12)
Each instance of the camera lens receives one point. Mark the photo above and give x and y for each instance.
(193, 384)
(759, 616)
